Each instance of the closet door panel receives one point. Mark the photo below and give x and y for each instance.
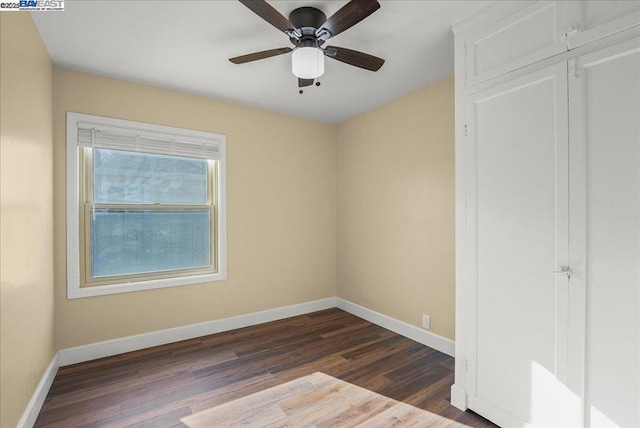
(595, 19)
(519, 235)
(532, 34)
(605, 99)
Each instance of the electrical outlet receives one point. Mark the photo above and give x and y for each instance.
(426, 321)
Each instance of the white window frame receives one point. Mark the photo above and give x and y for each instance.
(74, 290)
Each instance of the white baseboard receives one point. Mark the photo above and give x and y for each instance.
(425, 337)
(30, 414)
(458, 397)
(108, 348)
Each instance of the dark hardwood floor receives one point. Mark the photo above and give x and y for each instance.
(156, 387)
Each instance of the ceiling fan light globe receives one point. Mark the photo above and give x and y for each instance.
(307, 63)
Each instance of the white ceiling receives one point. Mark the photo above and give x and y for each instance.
(185, 45)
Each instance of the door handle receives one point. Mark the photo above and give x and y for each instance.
(564, 270)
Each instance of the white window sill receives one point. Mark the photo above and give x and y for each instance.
(80, 292)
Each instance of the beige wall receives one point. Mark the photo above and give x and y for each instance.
(395, 235)
(395, 210)
(27, 343)
(281, 190)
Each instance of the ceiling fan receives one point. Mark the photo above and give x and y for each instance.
(308, 29)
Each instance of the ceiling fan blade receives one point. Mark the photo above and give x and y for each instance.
(304, 82)
(259, 55)
(348, 16)
(267, 12)
(355, 58)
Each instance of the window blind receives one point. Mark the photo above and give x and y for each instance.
(133, 140)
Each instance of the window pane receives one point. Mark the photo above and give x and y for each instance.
(135, 242)
(140, 178)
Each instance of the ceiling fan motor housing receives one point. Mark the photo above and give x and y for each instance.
(307, 19)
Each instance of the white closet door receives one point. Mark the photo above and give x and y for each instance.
(533, 33)
(594, 19)
(605, 137)
(518, 233)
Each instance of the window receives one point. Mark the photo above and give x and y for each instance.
(145, 204)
